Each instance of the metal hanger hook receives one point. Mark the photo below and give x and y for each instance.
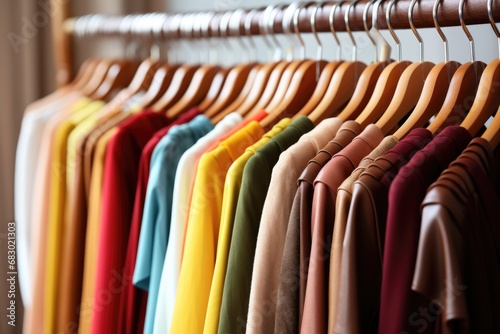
(414, 30)
(319, 52)
(440, 32)
(348, 28)
(389, 26)
(331, 22)
(493, 25)
(466, 30)
(367, 29)
(248, 32)
(296, 13)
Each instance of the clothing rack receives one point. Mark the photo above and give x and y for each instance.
(474, 12)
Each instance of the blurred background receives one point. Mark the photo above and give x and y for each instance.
(27, 67)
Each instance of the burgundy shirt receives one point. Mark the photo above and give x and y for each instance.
(361, 267)
(121, 170)
(133, 300)
(398, 304)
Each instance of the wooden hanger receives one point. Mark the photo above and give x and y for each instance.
(492, 133)
(197, 90)
(97, 77)
(462, 88)
(487, 99)
(159, 85)
(298, 92)
(255, 77)
(180, 82)
(435, 87)
(84, 74)
(216, 87)
(119, 76)
(469, 81)
(432, 97)
(386, 84)
(409, 87)
(369, 76)
(235, 82)
(282, 74)
(343, 83)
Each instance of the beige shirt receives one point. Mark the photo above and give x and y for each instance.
(274, 223)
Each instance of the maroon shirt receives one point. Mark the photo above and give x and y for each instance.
(119, 183)
(399, 305)
(361, 267)
(133, 300)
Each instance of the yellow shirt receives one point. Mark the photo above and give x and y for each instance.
(57, 197)
(203, 228)
(92, 234)
(231, 190)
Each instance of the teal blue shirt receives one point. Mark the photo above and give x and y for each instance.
(155, 224)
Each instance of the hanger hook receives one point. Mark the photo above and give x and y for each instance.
(263, 28)
(273, 11)
(385, 49)
(438, 28)
(288, 20)
(223, 27)
(415, 32)
(234, 28)
(466, 30)
(331, 21)
(348, 28)
(367, 29)
(248, 32)
(319, 52)
(493, 25)
(389, 26)
(296, 13)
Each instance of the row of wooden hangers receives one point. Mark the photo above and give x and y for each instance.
(383, 92)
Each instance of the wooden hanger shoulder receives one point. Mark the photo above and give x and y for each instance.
(339, 91)
(218, 83)
(235, 81)
(460, 95)
(196, 91)
(161, 80)
(432, 97)
(406, 96)
(300, 90)
(383, 93)
(233, 106)
(487, 99)
(180, 82)
(119, 76)
(271, 88)
(363, 91)
(320, 89)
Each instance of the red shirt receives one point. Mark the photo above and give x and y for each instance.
(133, 300)
(121, 171)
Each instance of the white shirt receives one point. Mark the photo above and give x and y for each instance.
(27, 154)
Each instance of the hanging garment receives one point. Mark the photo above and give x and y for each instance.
(203, 228)
(298, 239)
(235, 299)
(407, 191)
(326, 183)
(133, 300)
(184, 176)
(232, 187)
